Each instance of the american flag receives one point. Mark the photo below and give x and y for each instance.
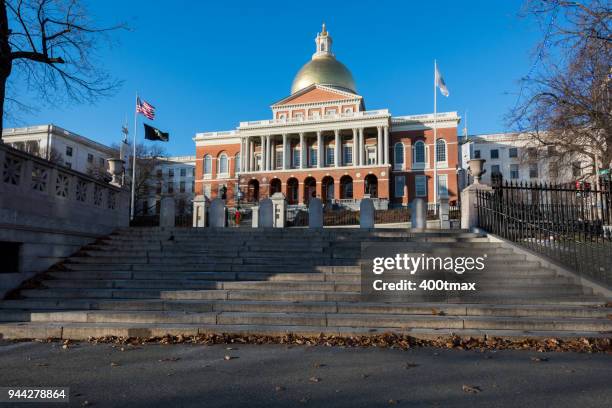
(145, 108)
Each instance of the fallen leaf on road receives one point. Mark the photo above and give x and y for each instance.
(280, 388)
(318, 365)
(472, 389)
(314, 379)
(171, 359)
(393, 402)
(304, 400)
(227, 358)
(365, 375)
(85, 403)
(113, 364)
(408, 366)
(539, 359)
(42, 365)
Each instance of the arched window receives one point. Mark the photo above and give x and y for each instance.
(207, 164)
(237, 163)
(398, 159)
(223, 168)
(440, 150)
(419, 152)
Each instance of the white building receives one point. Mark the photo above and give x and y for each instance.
(518, 157)
(174, 176)
(60, 146)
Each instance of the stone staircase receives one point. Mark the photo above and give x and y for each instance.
(151, 282)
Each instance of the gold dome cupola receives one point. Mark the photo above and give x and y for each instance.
(324, 68)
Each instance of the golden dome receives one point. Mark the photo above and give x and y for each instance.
(324, 68)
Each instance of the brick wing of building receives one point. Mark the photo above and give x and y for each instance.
(321, 141)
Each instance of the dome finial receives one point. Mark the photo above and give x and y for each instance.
(323, 30)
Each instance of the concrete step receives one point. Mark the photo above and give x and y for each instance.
(83, 331)
(592, 310)
(316, 319)
(500, 296)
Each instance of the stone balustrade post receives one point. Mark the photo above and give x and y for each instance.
(419, 214)
(366, 213)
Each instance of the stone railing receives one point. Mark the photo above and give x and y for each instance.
(31, 185)
(328, 117)
(47, 212)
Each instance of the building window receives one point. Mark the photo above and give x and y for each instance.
(90, 158)
(182, 186)
(513, 152)
(170, 188)
(440, 150)
(158, 188)
(419, 152)
(299, 116)
(183, 172)
(347, 155)
(296, 157)
(237, 162)
(223, 164)
(398, 159)
(371, 154)
(102, 162)
(477, 154)
(420, 186)
(400, 182)
(576, 169)
(278, 157)
(207, 190)
(69, 165)
(514, 171)
(68, 151)
(532, 153)
(495, 169)
(312, 152)
(329, 155)
(348, 110)
(495, 153)
(282, 116)
(442, 185)
(170, 173)
(553, 170)
(207, 165)
(159, 173)
(330, 112)
(533, 170)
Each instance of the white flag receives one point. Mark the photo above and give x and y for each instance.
(440, 83)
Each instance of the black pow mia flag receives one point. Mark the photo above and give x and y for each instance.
(152, 133)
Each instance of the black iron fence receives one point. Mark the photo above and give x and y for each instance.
(568, 223)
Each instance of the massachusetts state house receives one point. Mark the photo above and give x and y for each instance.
(321, 141)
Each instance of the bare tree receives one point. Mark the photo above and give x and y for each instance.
(49, 45)
(565, 101)
(148, 157)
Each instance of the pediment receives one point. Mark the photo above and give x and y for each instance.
(316, 94)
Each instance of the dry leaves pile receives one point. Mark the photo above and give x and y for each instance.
(387, 340)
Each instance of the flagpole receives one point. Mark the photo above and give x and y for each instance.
(435, 143)
(133, 203)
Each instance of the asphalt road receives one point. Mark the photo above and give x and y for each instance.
(278, 376)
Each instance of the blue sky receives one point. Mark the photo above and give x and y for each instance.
(208, 65)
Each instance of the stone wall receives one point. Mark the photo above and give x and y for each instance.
(51, 211)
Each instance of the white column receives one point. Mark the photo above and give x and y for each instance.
(337, 161)
(285, 151)
(361, 147)
(379, 146)
(251, 154)
(386, 144)
(262, 151)
(320, 153)
(271, 153)
(355, 149)
(247, 155)
(302, 151)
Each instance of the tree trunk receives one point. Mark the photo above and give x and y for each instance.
(5, 60)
